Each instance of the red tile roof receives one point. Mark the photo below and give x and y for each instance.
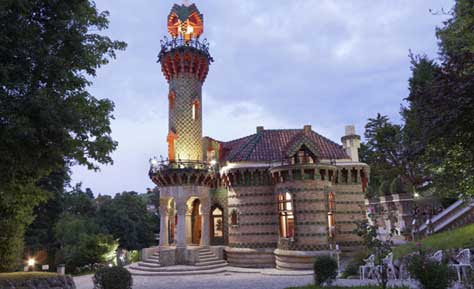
(272, 145)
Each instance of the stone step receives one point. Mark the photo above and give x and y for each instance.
(154, 258)
(182, 273)
(206, 255)
(176, 269)
(208, 263)
(150, 261)
(210, 258)
(149, 265)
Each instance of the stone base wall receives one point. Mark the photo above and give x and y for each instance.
(62, 282)
(250, 258)
(297, 260)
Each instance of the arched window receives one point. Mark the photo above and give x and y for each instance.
(195, 110)
(331, 209)
(218, 226)
(285, 211)
(233, 218)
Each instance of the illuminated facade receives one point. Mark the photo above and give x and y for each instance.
(273, 198)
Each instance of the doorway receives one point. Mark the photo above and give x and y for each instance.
(196, 222)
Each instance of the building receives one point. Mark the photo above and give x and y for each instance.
(273, 198)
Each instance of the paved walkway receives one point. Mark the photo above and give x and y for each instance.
(218, 281)
(266, 279)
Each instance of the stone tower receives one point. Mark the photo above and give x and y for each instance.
(185, 63)
(184, 179)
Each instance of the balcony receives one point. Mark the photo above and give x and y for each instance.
(168, 45)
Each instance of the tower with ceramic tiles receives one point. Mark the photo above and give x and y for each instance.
(185, 64)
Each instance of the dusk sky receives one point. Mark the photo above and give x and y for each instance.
(280, 64)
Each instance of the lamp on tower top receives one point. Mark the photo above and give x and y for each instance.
(185, 21)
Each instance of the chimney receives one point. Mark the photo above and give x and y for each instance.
(351, 143)
(307, 128)
(259, 129)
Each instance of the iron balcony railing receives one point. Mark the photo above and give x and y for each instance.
(168, 45)
(160, 165)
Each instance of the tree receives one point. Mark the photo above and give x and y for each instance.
(40, 234)
(48, 120)
(127, 219)
(82, 241)
(384, 152)
(445, 105)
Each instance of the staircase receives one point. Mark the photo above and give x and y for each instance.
(450, 217)
(208, 263)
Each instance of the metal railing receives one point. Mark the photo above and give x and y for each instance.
(159, 165)
(168, 45)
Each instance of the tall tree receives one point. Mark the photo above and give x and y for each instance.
(48, 52)
(127, 219)
(445, 106)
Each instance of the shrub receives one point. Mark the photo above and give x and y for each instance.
(112, 278)
(469, 282)
(325, 269)
(430, 274)
(352, 267)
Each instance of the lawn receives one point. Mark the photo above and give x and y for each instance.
(337, 287)
(25, 275)
(455, 239)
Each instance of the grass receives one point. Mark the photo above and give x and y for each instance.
(459, 238)
(337, 287)
(25, 275)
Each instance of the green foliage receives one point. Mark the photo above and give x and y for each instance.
(379, 248)
(352, 268)
(82, 242)
(441, 105)
(112, 278)
(48, 120)
(325, 269)
(127, 219)
(26, 275)
(430, 274)
(455, 239)
(469, 282)
(134, 256)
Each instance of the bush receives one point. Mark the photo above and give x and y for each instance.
(352, 268)
(469, 282)
(325, 269)
(112, 278)
(430, 274)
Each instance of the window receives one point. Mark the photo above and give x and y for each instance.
(171, 98)
(233, 218)
(217, 222)
(195, 110)
(287, 220)
(331, 208)
(303, 157)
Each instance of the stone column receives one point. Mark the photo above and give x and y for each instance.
(205, 233)
(189, 223)
(164, 223)
(181, 238)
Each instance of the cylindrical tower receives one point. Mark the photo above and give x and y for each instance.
(185, 64)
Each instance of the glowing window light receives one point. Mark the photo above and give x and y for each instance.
(31, 262)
